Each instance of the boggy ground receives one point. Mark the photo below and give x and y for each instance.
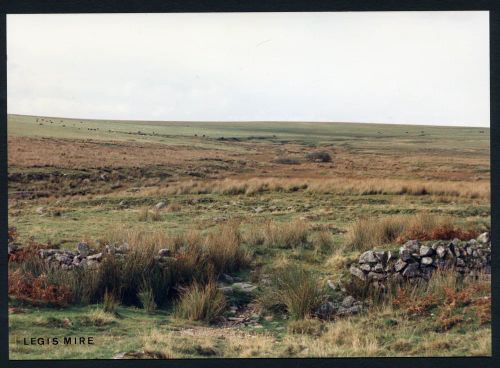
(74, 180)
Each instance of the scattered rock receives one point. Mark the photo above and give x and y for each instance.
(331, 285)
(226, 278)
(258, 210)
(160, 205)
(95, 257)
(355, 309)
(244, 287)
(348, 301)
(326, 310)
(83, 249)
(226, 290)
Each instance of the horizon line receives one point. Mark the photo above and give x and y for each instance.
(253, 121)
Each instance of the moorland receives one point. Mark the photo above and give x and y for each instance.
(258, 223)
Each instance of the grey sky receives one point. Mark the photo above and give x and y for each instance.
(401, 67)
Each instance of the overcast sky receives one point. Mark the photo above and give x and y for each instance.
(400, 67)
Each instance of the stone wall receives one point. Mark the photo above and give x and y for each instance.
(83, 256)
(418, 260)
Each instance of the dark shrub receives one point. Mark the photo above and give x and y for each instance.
(319, 156)
(286, 160)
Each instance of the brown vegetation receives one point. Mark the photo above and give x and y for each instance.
(368, 233)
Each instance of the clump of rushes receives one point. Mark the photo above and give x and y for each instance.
(147, 298)
(201, 303)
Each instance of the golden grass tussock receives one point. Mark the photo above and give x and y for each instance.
(201, 303)
(223, 248)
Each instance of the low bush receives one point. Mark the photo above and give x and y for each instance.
(284, 160)
(449, 298)
(37, 290)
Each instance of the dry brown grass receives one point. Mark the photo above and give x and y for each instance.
(368, 233)
(339, 186)
(223, 248)
(285, 234)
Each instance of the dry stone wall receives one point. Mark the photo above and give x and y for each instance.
(417, 260)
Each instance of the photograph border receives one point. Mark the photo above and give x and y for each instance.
(180, 6)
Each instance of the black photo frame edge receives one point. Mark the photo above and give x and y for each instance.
(179, 6)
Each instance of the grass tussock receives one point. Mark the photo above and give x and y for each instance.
(294, 289)
(109, 303)
(223, 249)
(145, 214)
(282, 234)
(147, 298)
(98, 318)
(201, 303)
